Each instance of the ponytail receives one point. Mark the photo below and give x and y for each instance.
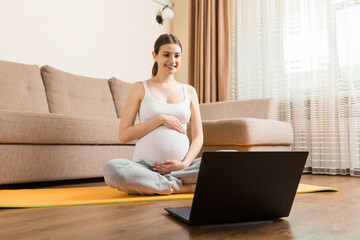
(155, 69)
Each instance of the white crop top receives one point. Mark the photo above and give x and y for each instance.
(163, 143)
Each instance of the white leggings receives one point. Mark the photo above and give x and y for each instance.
(140, 178)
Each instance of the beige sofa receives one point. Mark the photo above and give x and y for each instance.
(56, 125)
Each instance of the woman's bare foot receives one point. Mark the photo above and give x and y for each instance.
(188, 188)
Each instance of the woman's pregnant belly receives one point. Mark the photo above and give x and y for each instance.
(162, 144)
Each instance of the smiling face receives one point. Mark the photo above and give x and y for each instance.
(168, 58)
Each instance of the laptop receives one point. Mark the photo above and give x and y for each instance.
(235, 187)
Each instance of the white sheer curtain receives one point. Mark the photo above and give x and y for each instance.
(306, 55)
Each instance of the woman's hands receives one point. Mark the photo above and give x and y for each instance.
(172, 122)
(168, 166)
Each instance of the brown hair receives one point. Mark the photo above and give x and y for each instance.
(162, 40)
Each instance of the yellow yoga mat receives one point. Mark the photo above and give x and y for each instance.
(306, 188)
(31, 198)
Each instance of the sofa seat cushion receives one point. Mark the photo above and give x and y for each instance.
(77, 95)
(49, 128)
(247, 132)
(21, 88)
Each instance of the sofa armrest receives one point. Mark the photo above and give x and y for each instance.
(263, 108)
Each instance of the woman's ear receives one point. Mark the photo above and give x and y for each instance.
(154, 56)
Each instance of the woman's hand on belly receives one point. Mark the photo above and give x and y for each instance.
(172, 122)
(168, 166)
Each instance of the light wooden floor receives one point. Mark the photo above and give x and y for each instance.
(324, 215)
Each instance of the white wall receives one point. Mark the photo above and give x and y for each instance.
(96, 38)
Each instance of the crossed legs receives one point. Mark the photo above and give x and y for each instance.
(139, 178)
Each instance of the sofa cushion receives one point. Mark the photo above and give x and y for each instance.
(77, 95)
(21, 88)
(46, 128)
(247, 132)
(119, 90)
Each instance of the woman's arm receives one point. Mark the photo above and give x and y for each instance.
(196, 129)
(128, 131)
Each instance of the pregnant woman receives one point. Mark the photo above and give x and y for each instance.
(164, 161)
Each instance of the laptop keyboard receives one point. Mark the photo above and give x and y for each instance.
(183, 212)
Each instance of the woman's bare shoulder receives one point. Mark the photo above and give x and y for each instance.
(191, 91)
(191, 88)
(137, 87)
(137, 90)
